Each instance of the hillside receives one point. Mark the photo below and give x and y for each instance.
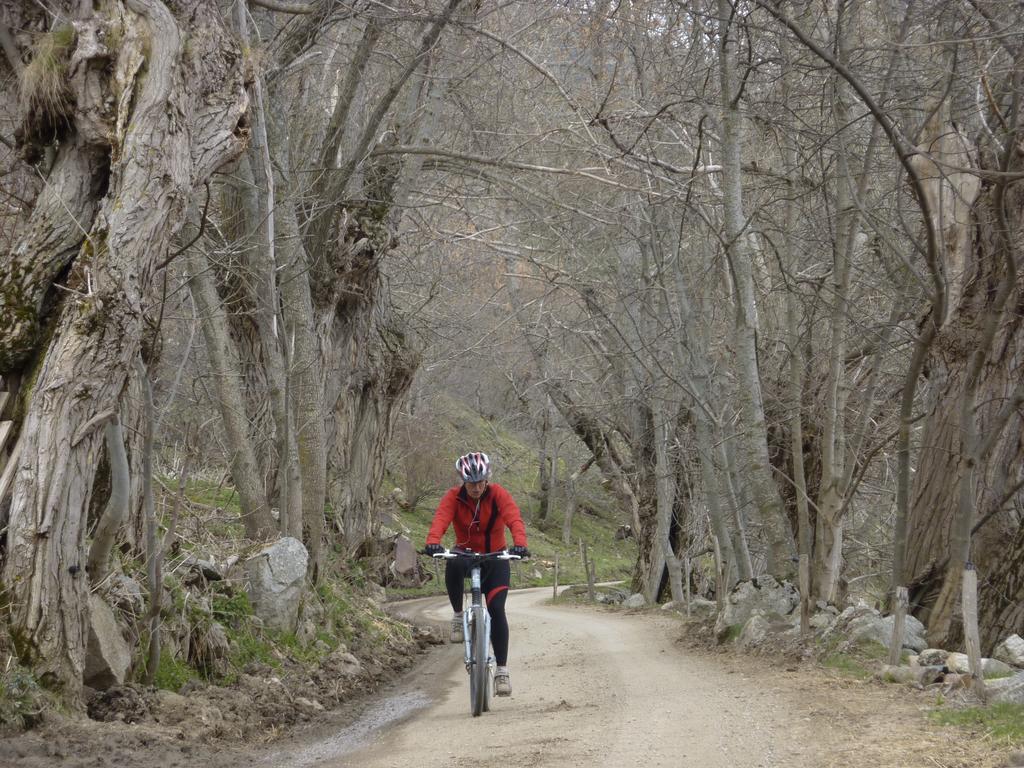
(451, 429)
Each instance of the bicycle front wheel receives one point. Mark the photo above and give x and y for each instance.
(478, 666)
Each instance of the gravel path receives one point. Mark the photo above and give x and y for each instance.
(604, 688)
(591, 687)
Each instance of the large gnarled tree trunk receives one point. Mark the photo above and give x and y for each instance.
(175, 118)
(971, 446)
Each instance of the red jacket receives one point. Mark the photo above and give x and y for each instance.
(479, 525)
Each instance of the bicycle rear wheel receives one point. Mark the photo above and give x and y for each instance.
(478, 668)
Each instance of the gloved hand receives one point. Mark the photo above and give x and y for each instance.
(433, 549)
(519, 551)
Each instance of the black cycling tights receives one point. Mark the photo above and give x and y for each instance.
(495, 577)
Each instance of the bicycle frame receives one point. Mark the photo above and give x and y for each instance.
(476, 630)
(476, 599)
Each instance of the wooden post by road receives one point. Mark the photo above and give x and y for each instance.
(554, 587)
(588, 571)
(969, 606)
(805, 597)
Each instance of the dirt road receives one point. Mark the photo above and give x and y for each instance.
(615, 689)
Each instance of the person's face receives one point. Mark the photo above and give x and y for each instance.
(476, 490)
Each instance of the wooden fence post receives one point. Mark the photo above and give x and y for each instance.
(805, 597)
(969, 606)
(554, 587)
(686, 577)
(587, 571)
(720, 575)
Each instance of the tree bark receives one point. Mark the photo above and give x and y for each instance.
(115, 514)
(172, 128)
(971, 374)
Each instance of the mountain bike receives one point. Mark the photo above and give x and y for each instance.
(476, 630)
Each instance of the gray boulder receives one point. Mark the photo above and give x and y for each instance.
(960, 664)
(343, 663)
(125, 594)
(107, 656)
(861, 623)
(932, 657)
(1008, 689)
(276, 581)
(635, 601)
(609, 596)
(405, 567)
(698, 607)
(996, 668)
(763, 594)
(1011, 651)
(755, 632)
(821, 621)
(899, 674)
(768, 629)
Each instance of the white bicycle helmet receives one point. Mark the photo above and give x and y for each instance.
(473, 467)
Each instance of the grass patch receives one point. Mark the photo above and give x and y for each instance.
(847, 664)
(1003, 722)
(356, 620)
(732, 633)
(44, 88)
(172, 673)
(249, 644)
(22, 698)
(859, 660)
(213, 508)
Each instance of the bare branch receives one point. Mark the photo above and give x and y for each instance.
(282, 7)
(518, 166)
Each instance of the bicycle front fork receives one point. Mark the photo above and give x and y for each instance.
(467, 620)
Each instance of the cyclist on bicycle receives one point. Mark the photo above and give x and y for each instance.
(480, 511)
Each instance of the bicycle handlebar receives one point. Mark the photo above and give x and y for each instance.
(452, 554)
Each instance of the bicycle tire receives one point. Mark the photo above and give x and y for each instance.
(478, 670)
(489, 686)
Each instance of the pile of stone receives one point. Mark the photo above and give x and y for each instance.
(273, 577)
(1003, 672)
(764, 614)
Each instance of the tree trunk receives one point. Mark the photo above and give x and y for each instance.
(666, 495)
(52, 241)
(227, 376)
(692, 362)
(972, 433)
(174, 126)
(570, 508)
(753, 437)
(371, 368)
(116, 511)
(543, 460)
